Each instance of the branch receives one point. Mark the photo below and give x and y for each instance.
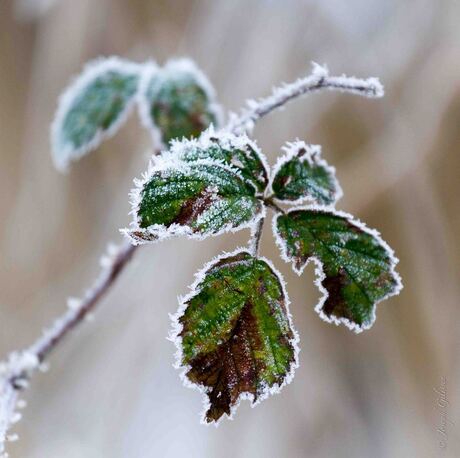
(8, 414)
(319, 79)
(16, 372)
(269, 202)
(256, 234)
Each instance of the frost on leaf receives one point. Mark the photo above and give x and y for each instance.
(235, 337)
(196, 199)
(177, 101)
(301, 174)
(235, 151)
(92, 108)
(356, 267)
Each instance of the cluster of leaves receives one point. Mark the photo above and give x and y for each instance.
(173, 101)
(233, 331)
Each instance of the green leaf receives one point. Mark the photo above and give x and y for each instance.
(92, 108)
(177, 101)
(195, 199)
(236, 151)
(234, 333)
(356, 265)
(303, 175)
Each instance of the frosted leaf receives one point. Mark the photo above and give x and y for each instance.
(93, 108)
(234, 333)
(238, 152)
(177, 101)
(301, 174)
(197, 199)
(355, 266)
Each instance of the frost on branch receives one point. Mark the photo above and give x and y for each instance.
(317, 80)
(199, 188)
(8, 414)
(17, 371)
(177, 101)
(93, 108)
(355, 267)
(301, 175)
(14, 374)
(234, 334)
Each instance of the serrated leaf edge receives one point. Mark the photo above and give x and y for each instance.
(176, 328)
(64, 156)
(226, 140)
(185, 65)
(291, 150)
(159, 232)
(319, 270)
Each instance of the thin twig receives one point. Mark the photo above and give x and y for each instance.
(17, 371)
(8, 414)
(319, 79)
(255, 237)
(116, 262)
(269, 202)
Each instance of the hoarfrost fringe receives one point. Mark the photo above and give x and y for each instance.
(176, 329)
(319, 79)
(64, 154)
(319, 271)
(313, 157)
(16, 372)
(226, 140)
(173, 66)
(172, 159)
(13, 377)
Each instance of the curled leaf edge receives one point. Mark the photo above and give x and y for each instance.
(319, 270)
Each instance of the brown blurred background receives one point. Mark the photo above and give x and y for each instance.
(111, 390)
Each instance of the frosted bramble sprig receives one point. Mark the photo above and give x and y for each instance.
(234, 333)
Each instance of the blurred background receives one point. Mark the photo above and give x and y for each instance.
(111, 390)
